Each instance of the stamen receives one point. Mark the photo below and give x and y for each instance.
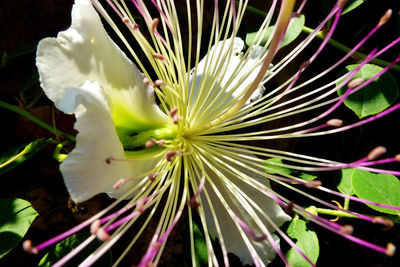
(390, 249)
(173, 112)
(289, 209)
(95, 229)
(158, 83)
(152, 176)
(385, 221)
(341, 3)
(154, 25)
(347, 229)
(376, 152)
(102, 235)
(150, 143)
(248, 230)
(170, 154)
(140, 205)
(355, 82)
(28, 247)
(385, 17)
(161, 142)
(121, 182)
(313, 184)
(335, 122)
(95, 226)
(126, 20)
(175, 117)
(146, 80)
(158, 56)
(192, 202)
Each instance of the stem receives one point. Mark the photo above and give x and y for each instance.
(346, 49)
(337, 213)
(346, 203)
(35, 120)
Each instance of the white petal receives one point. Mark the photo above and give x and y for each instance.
(85, 170)
(85, 52)
(230, 60)
(232, 238)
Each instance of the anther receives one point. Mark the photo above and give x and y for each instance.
(109, 159)
(158, 56)
(385, 17)
(289, 209)
(193, 203)
(313, 184)
(335, 123)
(376, 152)
(382, 220)
(305, 64)
(355, 82)
(120, 183)
(397, 157)
(28, 247)
(158, 83)
(126, 19)
(140, 205)
(94, 227)
(146, 81)
(260, 238)
(176, 118)
(295, 15)
(347, 229)
(173, 112)
(102, 235)
(150, 143)
(154, 25)
(156, 245)
(342, 3)
(390, 249)
(170, 154)
(161, 142)
(152, 176)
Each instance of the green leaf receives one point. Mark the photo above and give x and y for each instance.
(15, 218)
(294, 29)
(307, 241)
(351, 4)
(377, 187)
(345, 186)
(17, 155)
(64, 247)
(376, 96)
(200, 246)
(273, 168)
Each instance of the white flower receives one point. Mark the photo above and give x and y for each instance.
(85, 73)
(180, 146)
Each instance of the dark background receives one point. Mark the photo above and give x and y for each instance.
(23, 23)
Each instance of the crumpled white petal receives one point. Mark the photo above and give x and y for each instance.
(232, 238)
(231, 61)
(85, 52)
(85, 170)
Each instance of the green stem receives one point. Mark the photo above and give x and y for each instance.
(32, 118)
(338, 213)
(346, 203)
(346, 49)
